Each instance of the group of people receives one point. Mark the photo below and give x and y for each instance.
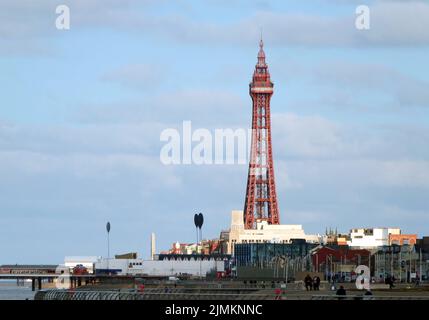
(312, 283)
(341, 293)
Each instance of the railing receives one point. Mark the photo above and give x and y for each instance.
(116, 295)
(157, 295)
(368, 297)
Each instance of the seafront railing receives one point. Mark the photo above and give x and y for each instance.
(117, 295)
(157, 295)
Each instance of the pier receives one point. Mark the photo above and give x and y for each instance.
(39, 274)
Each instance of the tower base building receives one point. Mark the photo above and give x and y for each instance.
(265, 232)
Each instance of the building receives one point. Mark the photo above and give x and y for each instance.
(335, 238)
(223, 242)
(197, 257)
(205, 247)
(129, 255)
(371, 237)
(402, 239)
(423, 245)
(339, 262)
(87, 261)
(159, 268)
(405, 263)
(263, 254)
(265, 233)
(272, 261)
(184, 248)
(340, 240)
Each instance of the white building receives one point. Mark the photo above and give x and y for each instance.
(87, 261)
(264, 232)
(371, 237)
(158, 267)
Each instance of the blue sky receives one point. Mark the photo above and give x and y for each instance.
(81, 112)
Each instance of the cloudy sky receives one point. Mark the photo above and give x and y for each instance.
(81, 113)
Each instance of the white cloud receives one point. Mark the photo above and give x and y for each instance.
(203, 106)
(312, 136)
(401, 173)
(135, 138)
(392, 24)
(140, 76)
(101, 167)
(401, 89)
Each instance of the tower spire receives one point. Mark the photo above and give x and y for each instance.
(261, 53)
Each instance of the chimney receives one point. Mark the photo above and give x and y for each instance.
(152, 246)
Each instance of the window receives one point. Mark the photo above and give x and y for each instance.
(369, 232)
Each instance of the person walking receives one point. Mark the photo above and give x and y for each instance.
(308, 283)
(390, 282)
(316, 283)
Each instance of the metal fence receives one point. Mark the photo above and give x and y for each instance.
(363, 297)
(157, 295)
(116, 295)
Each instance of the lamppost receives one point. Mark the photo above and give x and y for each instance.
(198, 221)
(201, 221)
(108, 245)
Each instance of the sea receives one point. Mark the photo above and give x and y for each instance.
(10, 291)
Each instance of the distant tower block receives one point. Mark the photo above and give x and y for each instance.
(261, 198)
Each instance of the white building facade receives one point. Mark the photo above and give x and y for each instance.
(264, 232)
(87, 261)
(163, 268)
(367, 238)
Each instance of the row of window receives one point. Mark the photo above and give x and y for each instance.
(262, 241)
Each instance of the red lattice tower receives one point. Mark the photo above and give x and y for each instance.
(261, 199)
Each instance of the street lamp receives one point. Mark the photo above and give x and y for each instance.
(198, 221)
(108, 244)
(201, 221)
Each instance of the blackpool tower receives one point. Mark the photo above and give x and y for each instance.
(261, 199)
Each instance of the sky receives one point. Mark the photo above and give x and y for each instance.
(82, 110)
